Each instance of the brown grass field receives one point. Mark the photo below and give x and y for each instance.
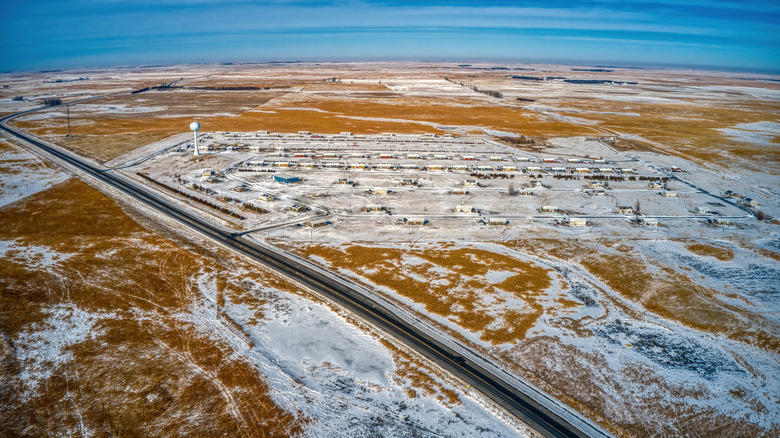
(151, 376)
(463, 294)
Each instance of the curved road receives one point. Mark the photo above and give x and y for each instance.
(528, 406)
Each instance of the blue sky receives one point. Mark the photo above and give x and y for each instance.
(732, 35)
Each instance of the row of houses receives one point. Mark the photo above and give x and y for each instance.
(440, 167)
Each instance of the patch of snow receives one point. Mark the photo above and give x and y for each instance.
(759, 133)
(43, 346)
(495, 277)
(31, 256)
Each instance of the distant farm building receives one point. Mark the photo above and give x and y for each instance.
(549, 208)
(464, 209)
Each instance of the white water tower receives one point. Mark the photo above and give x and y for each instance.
(194, 126)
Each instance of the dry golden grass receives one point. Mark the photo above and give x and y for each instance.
(462, 293)
(663, 291)
(152, 376)
(266, 111)
(690, 131)
(720, 253)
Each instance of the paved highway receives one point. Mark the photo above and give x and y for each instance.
(532, 407)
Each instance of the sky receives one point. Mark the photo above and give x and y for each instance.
(726, 35)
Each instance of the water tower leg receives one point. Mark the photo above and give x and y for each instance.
(197, 152)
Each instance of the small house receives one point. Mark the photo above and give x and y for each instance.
(375, 207)
(207, 173)
(536, 184)
(299, 208)
(525, 193)
(702, 210)
(317, 224)
(266, 197)
(576, 221)
(459, 192)
(750, 202)
(596, 185)
(582, 169)
(655, 185)
(464, 209)
(498, 221)
(415, 221)
(549, 208)
(626, 209)
(470, 182)
(668, 194)
(379, 191)
(648, 221)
